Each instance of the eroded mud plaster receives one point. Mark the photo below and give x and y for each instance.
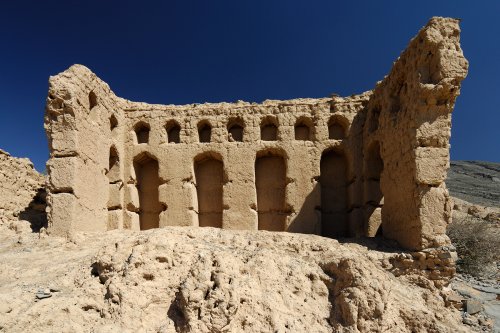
(354, 166)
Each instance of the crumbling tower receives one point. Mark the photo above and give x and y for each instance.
(339, 167)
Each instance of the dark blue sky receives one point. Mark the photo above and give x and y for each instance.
(208, 51)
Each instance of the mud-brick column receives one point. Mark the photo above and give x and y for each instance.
(61, 200)
(178, 191)
(303, 193)
(415, 102)
(60, 125)
(240, 199)
(78, 130)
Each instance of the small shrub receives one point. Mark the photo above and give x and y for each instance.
(478, 245)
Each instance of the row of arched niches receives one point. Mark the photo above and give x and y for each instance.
(270, 187)
(303, 130)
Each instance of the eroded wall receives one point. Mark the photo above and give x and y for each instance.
(82, 124)
(244, 165)
(22, 191)
(409, 116)
(367, 164)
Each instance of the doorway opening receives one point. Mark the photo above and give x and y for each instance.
(270, 183)
(333, 180)
(209, 176)
(146, 170)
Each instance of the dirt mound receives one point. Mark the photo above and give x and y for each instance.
(208, 280)
(22, 191)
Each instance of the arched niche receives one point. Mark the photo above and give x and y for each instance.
(92, 100)
(373, 196)
(113, 173)
(209, 179)
(269, 129)
(304, 129)
(204, 132)
(142, 130)
(235, 128)
(173, 130)
(113, 122)
(270, 184)
(337, 128)
(146, 170)
(334, 197)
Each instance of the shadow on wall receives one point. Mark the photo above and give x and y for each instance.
(310, 212)
(148, 181)
(270, 183)
(346, 200)
(331, 194)
(334, 201)
(35, 213)
(209, 177)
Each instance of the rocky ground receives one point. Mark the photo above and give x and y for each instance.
(475, 181)
(212, 280)
(482, 303)
(477, 282)
(208, 280)
(475, 186)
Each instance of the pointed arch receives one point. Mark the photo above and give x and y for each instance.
(204, 131)
(142, 130)
(147, 173)
(334, 204)
(173, 130)
(209, 179)
(337, 127)
(235, 129)
(269, 129)
(304, 129)
(270, 184)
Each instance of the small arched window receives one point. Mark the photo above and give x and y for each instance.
(269, 129)
(204, 132)
(114, 165)
(337, 128)
(373, 120)
(92, 100)
(113, 122)
(142, 132)
(173, 132)
(303, 129)
(235, 130)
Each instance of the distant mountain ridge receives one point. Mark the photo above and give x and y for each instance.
(477, 182)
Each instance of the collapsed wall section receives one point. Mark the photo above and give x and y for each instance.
(22, 191)
(246, 165)
(365, 165)
(81, 122)
(409, 122)
(99, 144)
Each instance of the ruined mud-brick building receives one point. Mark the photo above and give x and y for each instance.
(363, 165)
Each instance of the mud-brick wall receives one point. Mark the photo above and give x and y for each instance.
(22, 189)
(113, 162)
(251, 182)
(368, 164)
(77, 122)
(409, 121)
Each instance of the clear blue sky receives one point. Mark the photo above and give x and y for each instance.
(207, 51)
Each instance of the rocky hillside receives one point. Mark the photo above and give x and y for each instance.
(475, 181)
(208, 280)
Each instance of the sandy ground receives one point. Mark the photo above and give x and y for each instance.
(207, 280)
